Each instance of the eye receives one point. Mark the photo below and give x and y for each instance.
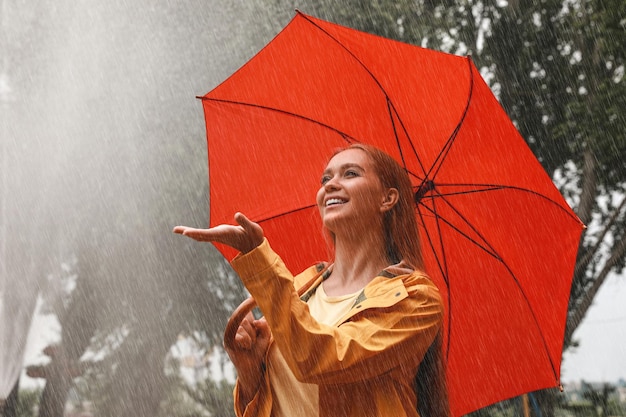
(325, 179)
(351, 173)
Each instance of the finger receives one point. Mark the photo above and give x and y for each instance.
(201, 235)
(191, 232)
(253, 230)
(223, 233)
(243, 340)
(243, 221)
(247, 327)
(179, 229)
(246, 334)
(262, 328)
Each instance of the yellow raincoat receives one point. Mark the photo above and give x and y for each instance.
(364, 366)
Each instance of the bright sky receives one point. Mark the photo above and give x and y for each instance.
(601, 354)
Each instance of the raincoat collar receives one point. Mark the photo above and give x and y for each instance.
(383, 291)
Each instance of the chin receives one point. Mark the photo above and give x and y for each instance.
(338, 224)
(330, 223)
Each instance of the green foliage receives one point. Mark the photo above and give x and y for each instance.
(207, 398)
(509, 408)
(28, 400)
(559, 68)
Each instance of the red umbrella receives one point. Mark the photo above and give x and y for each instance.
(498, 238)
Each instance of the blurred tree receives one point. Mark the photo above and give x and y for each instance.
(599, 397)
(75, 302)
(570, 56)
(560, 74)
(9, 405)
(106, 131)
(205, 398)
(28, 402)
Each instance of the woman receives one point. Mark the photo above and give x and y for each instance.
(353, 343)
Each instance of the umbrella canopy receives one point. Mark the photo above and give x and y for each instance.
(498, 238)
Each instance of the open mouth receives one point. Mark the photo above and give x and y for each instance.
(334, 202)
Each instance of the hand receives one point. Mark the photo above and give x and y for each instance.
(251, 342)
(244, 237)
(248, 354)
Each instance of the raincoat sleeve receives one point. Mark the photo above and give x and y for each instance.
(260, 405)
(395, 334)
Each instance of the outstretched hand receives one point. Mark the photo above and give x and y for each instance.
(243, 237)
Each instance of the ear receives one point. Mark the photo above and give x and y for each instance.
(390, 199)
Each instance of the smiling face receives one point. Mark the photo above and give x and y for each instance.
(351, 195)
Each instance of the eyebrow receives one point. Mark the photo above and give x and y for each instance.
(345, 166)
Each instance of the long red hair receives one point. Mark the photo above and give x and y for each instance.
(402, 243)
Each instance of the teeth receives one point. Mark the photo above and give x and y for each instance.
(333, 201)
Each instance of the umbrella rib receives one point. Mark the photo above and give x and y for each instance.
(441, 263)
(493, 187)
(484, 247)
(390, 104)
(349, 139)
(286, 213)
(350, 53)
(443, 269)
(392, 110)
(437, 164)
(491, 251)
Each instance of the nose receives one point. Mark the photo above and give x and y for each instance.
(332, 184)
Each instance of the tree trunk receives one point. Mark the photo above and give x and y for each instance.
(578, 313)
(546, 401)
(140, 381)
(54, 395)
(589, 187)
(9, 408)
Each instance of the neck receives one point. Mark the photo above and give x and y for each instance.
(358, 259)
